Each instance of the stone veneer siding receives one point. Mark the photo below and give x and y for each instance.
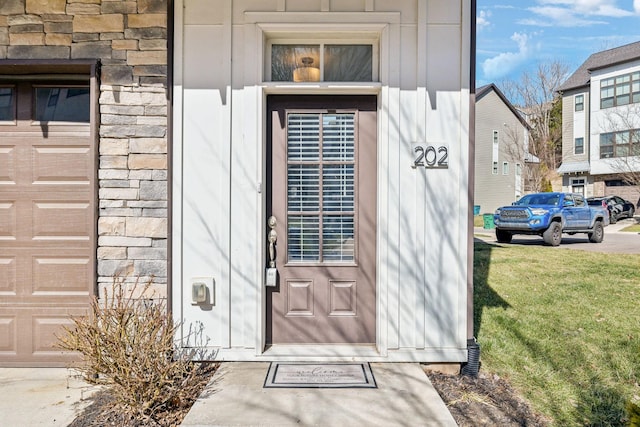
(130, 40)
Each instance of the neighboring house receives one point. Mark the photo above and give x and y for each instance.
(502, 139)
(601, 124)
(155, 139)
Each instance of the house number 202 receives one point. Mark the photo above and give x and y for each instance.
(428, 156)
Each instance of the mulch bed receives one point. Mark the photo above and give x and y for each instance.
(487, 400)
(103, 411)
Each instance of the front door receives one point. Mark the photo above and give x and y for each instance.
(323, 197)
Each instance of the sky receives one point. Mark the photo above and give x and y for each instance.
(514, 36)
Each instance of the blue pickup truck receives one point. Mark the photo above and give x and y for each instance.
(549, 215)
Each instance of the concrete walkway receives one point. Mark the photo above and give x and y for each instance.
(236, 397)
(52, 397)
(41, 396)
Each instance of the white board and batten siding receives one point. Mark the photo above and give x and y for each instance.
(219, 195)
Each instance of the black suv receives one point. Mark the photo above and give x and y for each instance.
(617, 206)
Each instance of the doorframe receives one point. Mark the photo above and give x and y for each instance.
(332, 351)
(258, 26)
(367, 108)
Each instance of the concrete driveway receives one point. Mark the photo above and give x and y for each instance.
(41, 396)
(615, 241)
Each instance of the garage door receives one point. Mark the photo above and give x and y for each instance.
(621, 189)
(47, 216)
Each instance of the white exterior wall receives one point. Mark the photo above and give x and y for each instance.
(610, 119)
(575, 124)
(219, 215)
(580, 121)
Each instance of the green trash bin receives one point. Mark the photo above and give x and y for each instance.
(488, 221)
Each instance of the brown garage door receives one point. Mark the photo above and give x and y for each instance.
(47, 216)
(621, 189)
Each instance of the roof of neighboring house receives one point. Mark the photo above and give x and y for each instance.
(582, 76)
(482, 91)
(573, 167)
(530, 158)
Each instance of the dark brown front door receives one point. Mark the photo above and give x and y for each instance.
(323, 196)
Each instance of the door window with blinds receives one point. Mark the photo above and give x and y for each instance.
(321, 199)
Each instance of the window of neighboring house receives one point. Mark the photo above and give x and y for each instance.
(579, 102)
(495, 151)
(577, 185)
(518, 169)
(620, 144)
(505, 168)
(579, 146)
(620, 90)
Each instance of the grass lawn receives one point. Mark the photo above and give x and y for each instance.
(478, 220)
(632, 228)
(563, 326)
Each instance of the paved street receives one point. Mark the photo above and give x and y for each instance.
(615, 241)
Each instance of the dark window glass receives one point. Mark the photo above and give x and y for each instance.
(286, 59)
(622, 90)
(7, 110)
(579, 146)
(606, 103)
(339, 62)
(348, 63)
(622, 100)
(620, 144)
(606, 145)
(579, 102)
(62, 104)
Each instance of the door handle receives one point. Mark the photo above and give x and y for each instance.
(272, 238)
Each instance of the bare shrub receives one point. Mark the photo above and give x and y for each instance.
(127, 344)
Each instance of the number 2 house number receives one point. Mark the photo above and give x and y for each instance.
(428, 156)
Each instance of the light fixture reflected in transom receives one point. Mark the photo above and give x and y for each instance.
(306, 73)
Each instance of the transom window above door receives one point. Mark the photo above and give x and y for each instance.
(356, 61)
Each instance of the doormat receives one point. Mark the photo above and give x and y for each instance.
(319, 375)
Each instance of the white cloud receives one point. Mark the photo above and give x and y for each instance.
(482, 20)
(600, 8)
(578, 13)
(558, 16)
(503, 63)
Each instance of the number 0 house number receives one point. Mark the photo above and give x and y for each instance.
(428, 156)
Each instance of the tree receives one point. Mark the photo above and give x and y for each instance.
(536, 95)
